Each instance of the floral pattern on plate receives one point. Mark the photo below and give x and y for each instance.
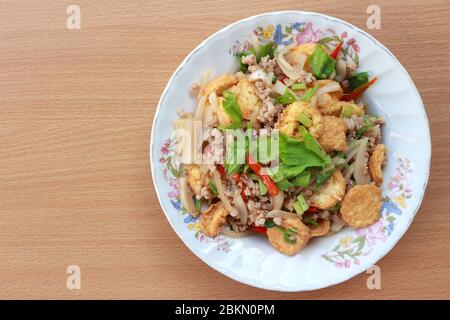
(299, 33)
(351, 248)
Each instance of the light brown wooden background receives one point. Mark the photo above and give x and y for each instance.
(76, 109)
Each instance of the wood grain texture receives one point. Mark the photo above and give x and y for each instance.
(76, 109)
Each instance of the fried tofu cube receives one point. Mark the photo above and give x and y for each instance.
(247, 99)
(197, 177)
(329, 193)
(213, 219)
(376, 162)
(288, 122)
(300, 236)
(333, 137)
(361, 206)
(321, 229)
(219, 84)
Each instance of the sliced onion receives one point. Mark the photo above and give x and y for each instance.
(329, 87)
(360, 174)
(352, 150)
(260, 74)
(277, 201)
(280, 88)
(338, 162)
(240, 206)
(292, 72)
(341, 70)
(233, 234)
(349, 172)
(186, 197)
(218, 182)
(200, 109)
(280, 213)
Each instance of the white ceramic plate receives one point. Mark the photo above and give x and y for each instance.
(325, 261)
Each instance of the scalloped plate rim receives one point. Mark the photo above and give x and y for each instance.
(373, 259)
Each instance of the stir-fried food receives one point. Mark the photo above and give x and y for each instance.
(284, 148)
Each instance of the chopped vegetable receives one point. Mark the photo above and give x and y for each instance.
(261, 230)
(321, 63)
(300, 205)
(312, 144)
(309, 94)
(355, 94)
(288, 235)
(324, 175)
(242, 66)
(298, 86)
(304, 120)
(231, 107)
(272, 188)
(198, 204)
(221, 170)
(358, 80)
(367, 125)
(287, 98)
(269, 224)
(296, 152)
(302, 180)
(266, 50)
(310, 221)
(213, 188)
(262, 187)
(335, 52)
(347, 111)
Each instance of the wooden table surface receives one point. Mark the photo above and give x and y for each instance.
(76, 108)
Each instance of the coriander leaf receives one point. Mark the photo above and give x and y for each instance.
(321, 63)
(358, 80)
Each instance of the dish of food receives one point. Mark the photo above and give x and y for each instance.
(284, 151)
(327, 170)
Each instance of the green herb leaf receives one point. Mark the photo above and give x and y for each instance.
(302, 180)
(321, 63)
(358, 80)
(309, 94)
(304, 120)
(298, 86)
(213, 188)
(231, 107)
(368, 124)
(198, 204)
(300, 205)
(324, 175)
(312, 144)
(262, 187)
(266, 50)
(310, 221)
(269, 224)
(295, 152)
(287, 98)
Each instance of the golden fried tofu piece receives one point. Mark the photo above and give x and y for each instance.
(376, 163)
(361, 205)
(326, 103)
(306, 48)
(213, 219)
(333, 137)
(329, 193)
(288, 122)
(219, 84)
(247, 99)
(197, 177)
(322, 229)
(300, 236)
